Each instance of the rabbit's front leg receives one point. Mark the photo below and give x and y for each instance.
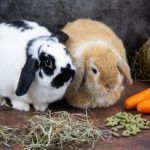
(20, 104)
(41, 107)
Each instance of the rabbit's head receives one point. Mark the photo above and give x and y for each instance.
(104, 71)
(48, 63)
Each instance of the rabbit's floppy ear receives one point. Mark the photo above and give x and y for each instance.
(78, 79)
(124, 69)
(61, 36)
(27, 76)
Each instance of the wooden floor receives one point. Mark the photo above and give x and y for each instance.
(12, 117)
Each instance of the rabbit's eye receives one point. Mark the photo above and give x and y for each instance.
(48, 63)
(94, 70)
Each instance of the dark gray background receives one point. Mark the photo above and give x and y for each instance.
(130, 19)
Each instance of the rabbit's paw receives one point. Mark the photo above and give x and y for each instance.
(20, 105)
(40, 107)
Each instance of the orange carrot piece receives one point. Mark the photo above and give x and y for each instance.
(132, 102)
(144, 106)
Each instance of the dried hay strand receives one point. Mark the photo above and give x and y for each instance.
(60, 130)
(141, 63)
(8, 135)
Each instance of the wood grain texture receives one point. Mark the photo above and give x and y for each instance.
(12, 117)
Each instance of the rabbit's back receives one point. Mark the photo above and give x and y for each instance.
(101, 64)
(86, 30)
(14, 39)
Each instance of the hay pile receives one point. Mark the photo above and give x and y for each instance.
(60, 130)
(141, 64)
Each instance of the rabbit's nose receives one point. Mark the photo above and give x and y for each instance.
(66, 74)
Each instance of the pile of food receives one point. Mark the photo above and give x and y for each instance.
(126, 124)
(63, 130)
(60, 130)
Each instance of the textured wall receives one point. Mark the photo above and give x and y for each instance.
(129, 18)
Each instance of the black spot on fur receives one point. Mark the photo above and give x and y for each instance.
(19, 24)
(32, 41)
(64, 76)
(61, 36)
(46, 57)
(42, 56)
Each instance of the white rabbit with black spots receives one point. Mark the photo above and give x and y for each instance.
(35, 66)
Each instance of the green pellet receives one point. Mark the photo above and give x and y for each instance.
(125, 114)
(134, 127)
(116, 119)
(128, 120)
(138, 115)
(109, 119)
(114, 129)
(118, 114)
(128, 128)
(133, 121)
(141, 126)
(119, 127)
(147, 123)
(122, 123)
(125, 133)
(115, 134)
(138, 119)
(123, 120)
(121, 117)
(112, 123)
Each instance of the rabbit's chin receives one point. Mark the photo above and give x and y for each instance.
(110, 97)
(107, 97)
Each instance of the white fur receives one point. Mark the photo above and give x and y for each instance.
(13, 45)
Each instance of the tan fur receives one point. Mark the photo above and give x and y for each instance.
(92, 44)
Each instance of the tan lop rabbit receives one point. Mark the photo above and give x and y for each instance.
(101, 64)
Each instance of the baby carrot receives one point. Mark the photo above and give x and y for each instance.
(144, 106)
(132, 102)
